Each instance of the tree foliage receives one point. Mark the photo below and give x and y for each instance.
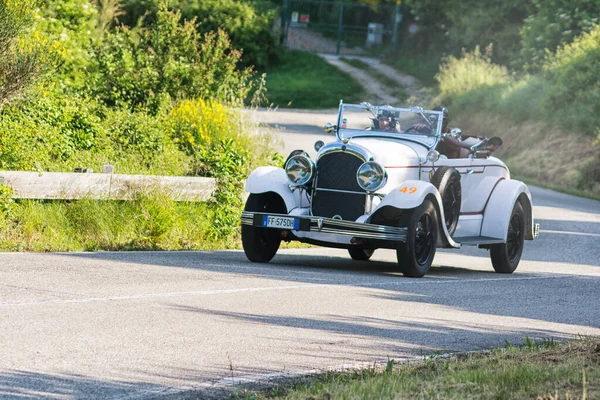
(247, 23)
(146, 66)
(553, 23)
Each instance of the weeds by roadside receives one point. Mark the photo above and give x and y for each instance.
(538, 369)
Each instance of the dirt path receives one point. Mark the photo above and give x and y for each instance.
(377, 92)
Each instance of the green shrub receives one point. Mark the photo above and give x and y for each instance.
(24, 52)
(573, 84)
(145, 67)
(459, 24)
(473, 72)
(247, 23)
(554, 23)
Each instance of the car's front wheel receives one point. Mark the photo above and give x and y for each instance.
(506, 256)
(416, 254)
(360, 254)
(261, 244)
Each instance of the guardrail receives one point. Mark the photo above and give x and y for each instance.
(73, 186)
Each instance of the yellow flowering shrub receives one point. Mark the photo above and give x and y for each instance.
(197, 124)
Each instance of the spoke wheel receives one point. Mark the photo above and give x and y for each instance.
(416, 254)
(447, 182)
(506, 256)
(261, 244)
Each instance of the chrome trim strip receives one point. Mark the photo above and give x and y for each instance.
(340, 191)
(354, 149)
(339, 227)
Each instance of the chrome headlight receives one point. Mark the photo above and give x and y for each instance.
(299, 169)
(371, 176)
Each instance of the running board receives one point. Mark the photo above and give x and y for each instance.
(477, 240)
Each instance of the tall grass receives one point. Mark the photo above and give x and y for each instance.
(552, 118)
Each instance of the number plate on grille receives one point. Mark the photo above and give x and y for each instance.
(270, 221)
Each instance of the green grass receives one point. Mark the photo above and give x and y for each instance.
(535, 370)
(305, 80)
(151, 222)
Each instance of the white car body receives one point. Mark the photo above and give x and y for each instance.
(488, 193)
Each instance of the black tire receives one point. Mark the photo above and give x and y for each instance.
(447, 182)
(416, 254)
(261, 244)
(360, 254)
(506, 256)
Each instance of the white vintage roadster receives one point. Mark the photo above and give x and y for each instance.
(384, 184)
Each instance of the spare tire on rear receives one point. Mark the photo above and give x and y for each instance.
(447, 182)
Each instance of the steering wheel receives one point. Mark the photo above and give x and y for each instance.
(411, 128)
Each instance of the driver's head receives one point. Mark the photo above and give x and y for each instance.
(446, 119)
(386, 121)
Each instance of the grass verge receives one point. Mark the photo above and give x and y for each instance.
(542, 370)
(305, 80)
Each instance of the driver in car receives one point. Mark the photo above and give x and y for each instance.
(386, 121)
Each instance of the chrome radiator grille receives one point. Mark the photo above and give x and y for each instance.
(336, 175)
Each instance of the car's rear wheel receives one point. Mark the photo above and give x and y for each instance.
(416, 254)
(506, 256)
(360, 254)
(261, 244)
(447, 182)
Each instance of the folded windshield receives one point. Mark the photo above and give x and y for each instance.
(364, 119)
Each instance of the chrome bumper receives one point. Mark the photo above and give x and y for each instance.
(333, 226)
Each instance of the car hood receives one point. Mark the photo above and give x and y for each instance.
(390, 152)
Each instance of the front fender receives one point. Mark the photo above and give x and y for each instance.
(499, 208)
(411, 194)
(272, 179)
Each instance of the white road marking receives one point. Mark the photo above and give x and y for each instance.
(570, 233)
(424, 281)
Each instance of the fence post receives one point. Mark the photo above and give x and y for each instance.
(397, 20)
(340, 27)
(283, 21)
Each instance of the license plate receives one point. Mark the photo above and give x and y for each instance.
(269, 221)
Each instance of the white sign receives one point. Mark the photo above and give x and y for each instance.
(295, 17)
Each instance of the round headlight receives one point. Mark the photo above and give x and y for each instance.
(299, 169)
(371, 176)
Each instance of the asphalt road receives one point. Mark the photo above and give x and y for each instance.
(147, 324)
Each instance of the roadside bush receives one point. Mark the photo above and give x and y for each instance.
(247, 23)
(70, 25)
(24, 53)
(553, 23)
(573, 84)
(459, 24)
(473, 73)
(146, 67)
